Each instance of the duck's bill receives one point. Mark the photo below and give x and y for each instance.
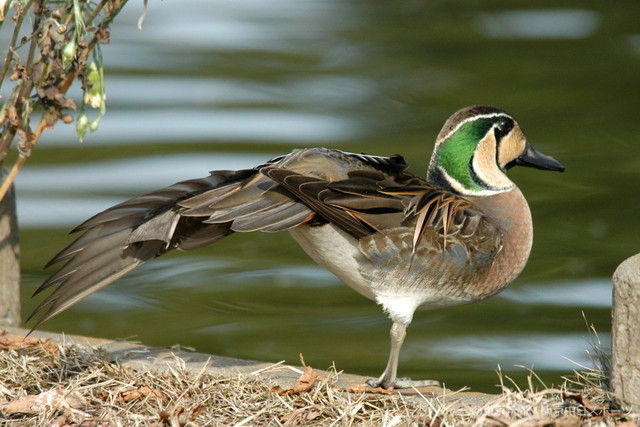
(535, 159)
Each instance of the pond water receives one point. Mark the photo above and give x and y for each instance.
(230, 83)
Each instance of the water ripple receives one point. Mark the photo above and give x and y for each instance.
(70, 194)
(540, 24)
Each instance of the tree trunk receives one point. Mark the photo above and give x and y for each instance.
(625, 339)
(9, 261)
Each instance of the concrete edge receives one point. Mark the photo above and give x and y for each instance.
(138, 356)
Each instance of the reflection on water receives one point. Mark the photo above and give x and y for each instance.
(538, 352)
(227, 84)
(244, 25)
(635, 42)
(333, 91)
(579, 293)
(131, 175)
(540, 24)
(228, 125)
(72, 193)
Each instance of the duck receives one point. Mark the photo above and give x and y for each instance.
(407, 243)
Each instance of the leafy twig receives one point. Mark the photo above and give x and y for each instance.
(59, 51)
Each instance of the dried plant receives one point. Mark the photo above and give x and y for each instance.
(42, 62)
(45, 384)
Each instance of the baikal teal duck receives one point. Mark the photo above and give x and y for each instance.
(407, 243)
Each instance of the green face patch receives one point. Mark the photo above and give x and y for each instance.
(455, 152)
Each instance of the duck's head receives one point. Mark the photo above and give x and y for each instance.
(475, 148)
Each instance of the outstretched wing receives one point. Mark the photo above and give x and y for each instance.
(361, 194)
(125, 236)
(192, 214)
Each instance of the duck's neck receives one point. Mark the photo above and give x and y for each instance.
(510, 212)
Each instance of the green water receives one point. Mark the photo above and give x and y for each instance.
(228, 84)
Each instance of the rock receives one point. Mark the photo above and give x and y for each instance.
(625, 339)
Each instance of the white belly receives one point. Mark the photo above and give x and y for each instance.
(338, 252)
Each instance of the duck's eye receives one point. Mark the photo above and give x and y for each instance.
(503, 126)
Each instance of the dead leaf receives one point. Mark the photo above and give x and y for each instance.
(17, 342)
(140, 393)
(306, 380)
(61, 421)
(19, 73)
(312, 415)
(164, 417)
(103, 35)
(568, 421)
(53, 94)
(591, 407)
(303, 384)
(357, 388)
(301, 415)
(179, 417)
(278, 389)
(491, 421)
(428, 421)
(37, 403)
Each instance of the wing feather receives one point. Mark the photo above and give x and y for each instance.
(366, 196)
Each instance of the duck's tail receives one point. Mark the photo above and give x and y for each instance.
(187, 215)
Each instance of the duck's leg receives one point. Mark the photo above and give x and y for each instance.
(388, 377)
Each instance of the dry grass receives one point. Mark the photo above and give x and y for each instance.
(72, 385)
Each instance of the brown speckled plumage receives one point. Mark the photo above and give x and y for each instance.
(403, 241)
